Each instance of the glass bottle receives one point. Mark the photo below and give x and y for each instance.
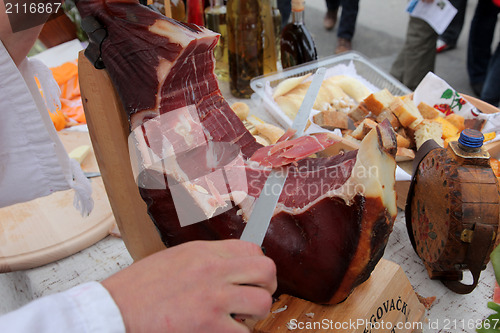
(159, 5)
(245, 47)
(277, 29)
(215, 20)
(178, 10)
(195, 10)
(268, 35)
(297, 44)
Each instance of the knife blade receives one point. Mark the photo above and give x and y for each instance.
(258, 223)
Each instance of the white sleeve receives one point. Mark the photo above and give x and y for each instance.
(82, 309)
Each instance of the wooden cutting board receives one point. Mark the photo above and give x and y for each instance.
(386, 297)
(41, 231)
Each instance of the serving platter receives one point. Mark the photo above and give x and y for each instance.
(46, 229)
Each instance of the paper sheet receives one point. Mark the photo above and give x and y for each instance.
(438, 13)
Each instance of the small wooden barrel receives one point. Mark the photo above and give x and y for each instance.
(453, 213)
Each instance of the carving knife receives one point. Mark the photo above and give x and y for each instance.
(256, 227)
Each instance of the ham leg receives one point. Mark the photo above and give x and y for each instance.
(335, 214)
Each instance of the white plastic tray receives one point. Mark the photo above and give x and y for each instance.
(350, 63)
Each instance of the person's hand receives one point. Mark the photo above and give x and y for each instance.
(195, 287)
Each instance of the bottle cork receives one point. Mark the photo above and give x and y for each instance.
(298, 5)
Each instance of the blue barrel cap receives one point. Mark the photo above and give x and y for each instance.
(471, 138)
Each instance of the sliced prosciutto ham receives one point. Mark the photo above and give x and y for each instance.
(286, 151)
(194, 157)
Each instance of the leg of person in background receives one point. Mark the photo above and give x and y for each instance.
(418, 55)
(285, 8)
(347, 25)
(491, 88)
(330, 20)
(482, 30)
(448, 40)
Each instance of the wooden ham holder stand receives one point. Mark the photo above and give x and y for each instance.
(387, 295)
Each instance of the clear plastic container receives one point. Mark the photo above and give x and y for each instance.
(373, 77)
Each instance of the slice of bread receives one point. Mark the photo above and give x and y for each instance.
(404, 154)
(359, 113)
(402, 141)
(379, 101)
(408, 134)
(427, 111)
(406, 111)
(389, 116)
(363, 129)
(428, 129)
(331, 120)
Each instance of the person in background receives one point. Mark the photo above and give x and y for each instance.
(449, 38)
(483, 65)
(418, 55)
(347, 22)
(285, 8)
(197, 286)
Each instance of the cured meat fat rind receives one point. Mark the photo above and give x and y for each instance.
(335, 214)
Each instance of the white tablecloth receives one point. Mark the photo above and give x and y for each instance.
(449, 313)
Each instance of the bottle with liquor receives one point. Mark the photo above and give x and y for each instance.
(245, 45)
(195, 10)
(297, 44)
(215, 20)
(277, 29)
(268, 35)
(178, 10)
